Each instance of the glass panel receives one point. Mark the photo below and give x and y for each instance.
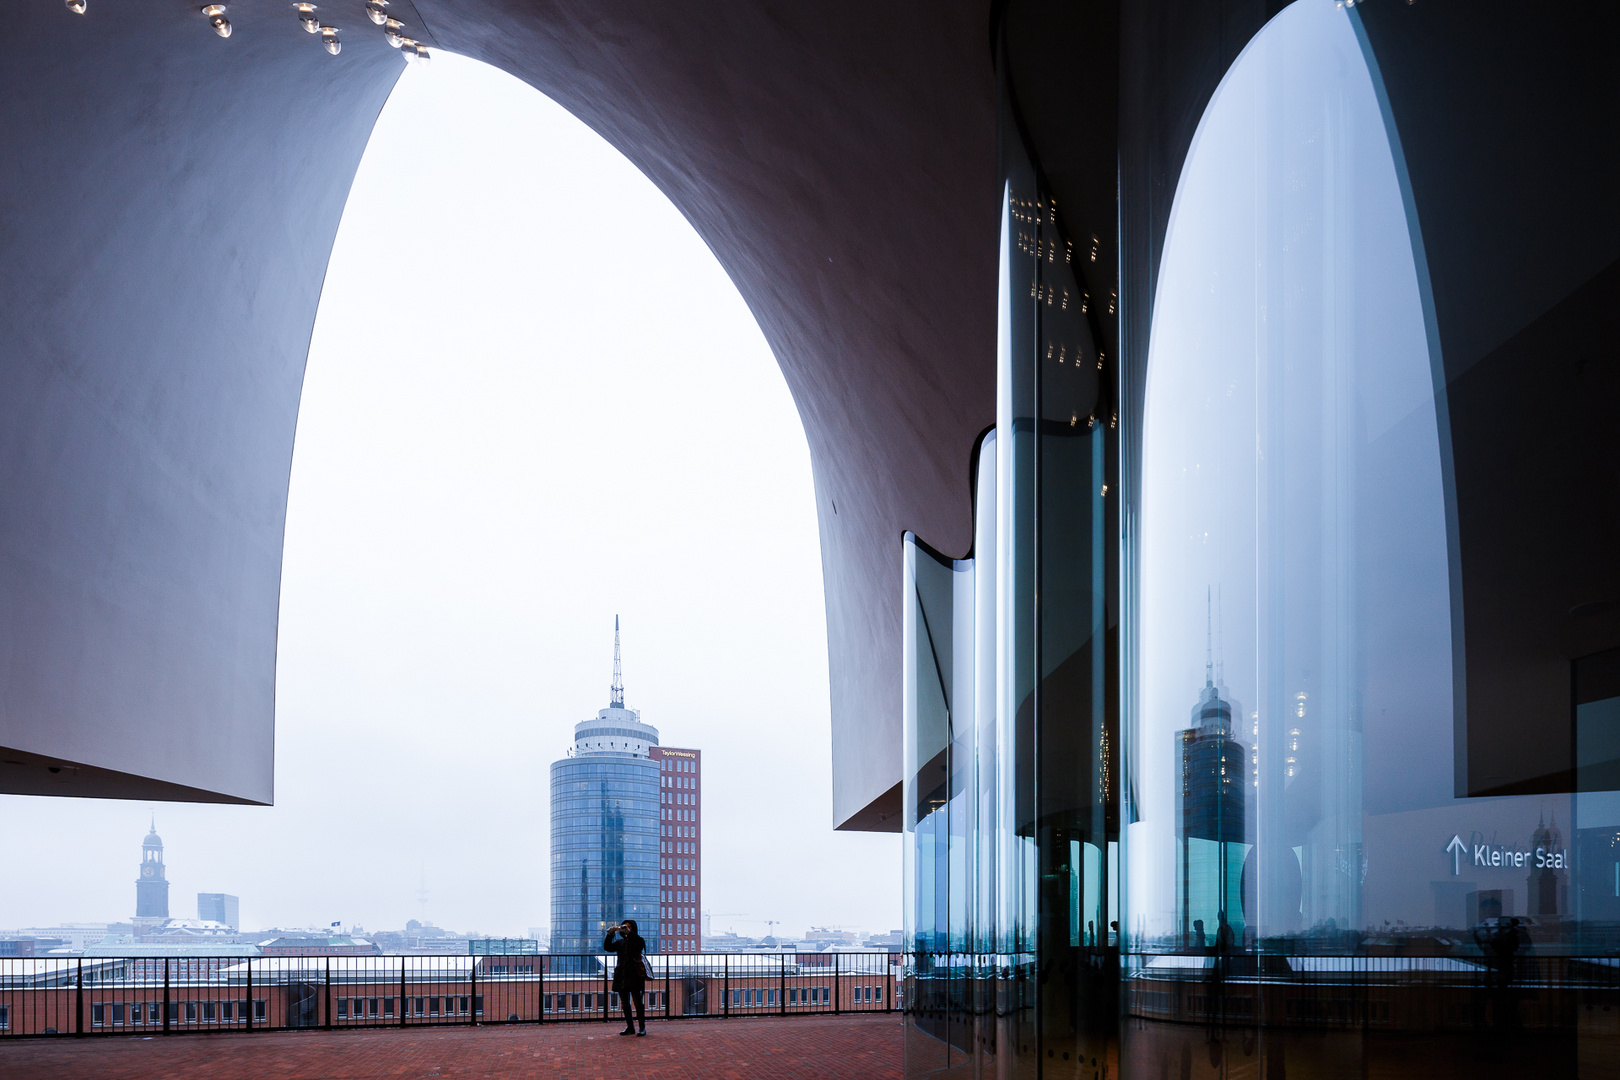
(1301, 859)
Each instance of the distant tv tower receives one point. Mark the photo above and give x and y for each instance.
(617, 692)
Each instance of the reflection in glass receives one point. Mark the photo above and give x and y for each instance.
(1011, 832)
(1298, 858)
(1293, 546)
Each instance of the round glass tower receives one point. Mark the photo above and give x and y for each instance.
(604, 829)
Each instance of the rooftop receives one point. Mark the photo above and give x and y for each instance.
(821, 1047)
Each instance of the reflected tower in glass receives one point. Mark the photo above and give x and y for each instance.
(604, 829)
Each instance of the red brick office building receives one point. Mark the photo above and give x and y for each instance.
(680, 847)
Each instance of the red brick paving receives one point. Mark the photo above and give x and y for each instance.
(751, 1049)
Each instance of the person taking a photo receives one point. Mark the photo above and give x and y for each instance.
(630, 974)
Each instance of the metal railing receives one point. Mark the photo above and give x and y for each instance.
(173, 995)
(956, 995)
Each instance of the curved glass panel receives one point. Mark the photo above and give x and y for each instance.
(1299, 856)
(1295, 668)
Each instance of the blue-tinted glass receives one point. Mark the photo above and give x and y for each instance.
(604, 849)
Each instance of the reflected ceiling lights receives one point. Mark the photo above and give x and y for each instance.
(329, 40)
(375, 12)
(217, 19)
(76, 6)
(307, 19)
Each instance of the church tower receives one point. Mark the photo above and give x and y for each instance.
(151, 888)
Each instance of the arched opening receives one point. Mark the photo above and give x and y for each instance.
(533, 400)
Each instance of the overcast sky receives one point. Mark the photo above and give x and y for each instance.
(534, 401)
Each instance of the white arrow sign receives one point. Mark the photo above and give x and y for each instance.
(1456, 849)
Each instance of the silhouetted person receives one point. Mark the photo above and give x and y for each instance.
(629, 976)
(1499, 940)
(1215, 980)
(1200, 942)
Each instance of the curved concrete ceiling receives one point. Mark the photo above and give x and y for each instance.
(169, 201)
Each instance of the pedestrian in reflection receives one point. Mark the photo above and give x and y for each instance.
(1215, 973)
(1499, 940)
(630, 973)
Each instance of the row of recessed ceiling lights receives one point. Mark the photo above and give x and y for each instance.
(376, 11)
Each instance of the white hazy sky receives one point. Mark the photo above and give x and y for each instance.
(534, 400)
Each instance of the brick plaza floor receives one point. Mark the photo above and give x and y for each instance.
(751, 1049)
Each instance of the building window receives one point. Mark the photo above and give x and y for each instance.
(191, 1012)
(343, 1009)
(98, 1014)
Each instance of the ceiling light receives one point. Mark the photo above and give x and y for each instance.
(307, 19)
(375, 12)
(417, 53)
(76, 6)
(329, 40)
(217, 19)
(391, 31)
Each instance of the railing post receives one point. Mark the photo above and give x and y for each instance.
(540, 993)
(328, 1016)
(78, 999)
(781, 992)
(666, 988)
(402, 998)
(888, 983)
(167, 1006)
(837, 988)
(472, 1000)
(604, 989)
(249, 1002)
(725, 984)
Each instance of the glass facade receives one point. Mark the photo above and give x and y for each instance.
(1294, 826)
(604, 849)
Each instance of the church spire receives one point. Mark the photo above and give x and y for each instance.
(616, 701)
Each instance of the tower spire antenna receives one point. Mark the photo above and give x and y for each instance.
(1209, 636)
(617, 699)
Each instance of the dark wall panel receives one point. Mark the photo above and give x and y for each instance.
(1509, 119)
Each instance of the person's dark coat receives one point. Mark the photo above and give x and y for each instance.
(629, 977)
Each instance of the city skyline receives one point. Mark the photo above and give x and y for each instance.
(219, 913)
